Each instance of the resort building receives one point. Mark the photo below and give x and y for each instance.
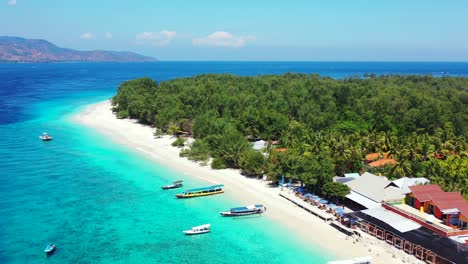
(450, 207)
(379, 160)
(369, 190)
(259, 145)
(445, 213)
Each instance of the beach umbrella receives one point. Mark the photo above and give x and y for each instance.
(316, 198)
(340, 213)
(339, 209)
(331, 206)
(323, 201)
(308, 195)
(299, 189)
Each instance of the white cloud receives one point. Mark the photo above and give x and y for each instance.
(11, 2)
(223, 39)
(108, 35)
(160, 38)
(87, 35)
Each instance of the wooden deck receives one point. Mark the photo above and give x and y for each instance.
(308, 207)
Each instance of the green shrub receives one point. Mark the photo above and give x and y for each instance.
(179, 142)
(184, 153)
(122, 114)
(218, 164)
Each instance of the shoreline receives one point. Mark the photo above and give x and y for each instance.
(129, 133)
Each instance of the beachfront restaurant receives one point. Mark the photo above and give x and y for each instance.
(450, 207)
(369, 190)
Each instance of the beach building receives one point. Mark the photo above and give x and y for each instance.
(369, 190)
(405, 182)
(443, 212)
(379, 160)
(421, 242)
(352, 175)
(342, 179)
(259, 145)
(346, 178)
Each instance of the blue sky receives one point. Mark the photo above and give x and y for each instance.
(331, 30)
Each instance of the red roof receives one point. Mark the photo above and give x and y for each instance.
(372, 156)
(382, 162)
(280, 149)
(421, 192)
(450, 200)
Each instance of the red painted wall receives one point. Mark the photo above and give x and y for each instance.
(417, 203)
(438, 213)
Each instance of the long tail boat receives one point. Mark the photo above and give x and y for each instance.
(204, 191)
(245, 210)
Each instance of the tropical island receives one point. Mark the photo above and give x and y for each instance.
(314, 127)
(15, 49)
(403, 137)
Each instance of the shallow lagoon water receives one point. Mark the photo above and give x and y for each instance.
(100, 202)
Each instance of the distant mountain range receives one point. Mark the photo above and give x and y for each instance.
(14, 49)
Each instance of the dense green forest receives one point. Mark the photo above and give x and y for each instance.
(317, 126)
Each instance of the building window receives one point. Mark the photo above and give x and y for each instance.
(462, 225)
(430, 209)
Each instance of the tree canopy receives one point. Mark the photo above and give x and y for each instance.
(325, 126)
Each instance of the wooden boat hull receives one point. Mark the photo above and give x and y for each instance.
(185, 196)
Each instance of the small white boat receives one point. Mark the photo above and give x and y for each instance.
(49, 250)
(176, 184)
(45, 137)
(196, 230)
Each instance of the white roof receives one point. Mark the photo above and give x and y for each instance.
(451, 211)
(258, 145)
(394, 220)
(342, 179)
(376, 188)
(405, 182)
(370, 186)
(362, 200)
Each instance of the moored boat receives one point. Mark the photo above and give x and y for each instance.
(174, 185)
(196, 230)
(45, 137)
(204, 191)
(245, 210)
(49, 250)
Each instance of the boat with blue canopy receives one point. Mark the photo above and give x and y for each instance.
(204, 191)
(245, 210)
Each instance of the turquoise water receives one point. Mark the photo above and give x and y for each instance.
(102, 203)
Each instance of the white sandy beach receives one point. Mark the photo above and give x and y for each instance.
(297, 221)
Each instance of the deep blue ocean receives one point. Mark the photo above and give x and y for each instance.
(100, 202)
